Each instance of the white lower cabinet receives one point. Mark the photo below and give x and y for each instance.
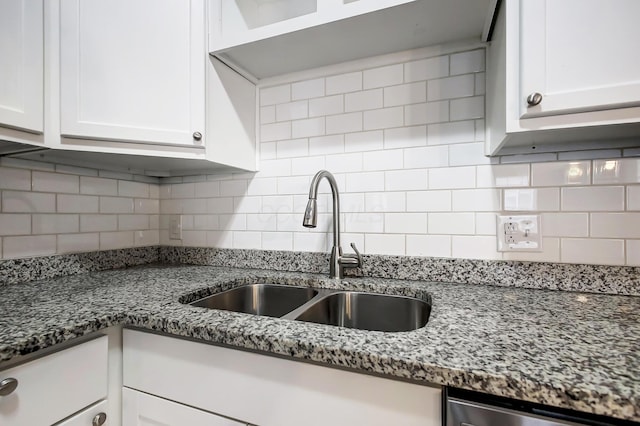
(267, 390)
(141, 409)
(49, 389)
(96, 415)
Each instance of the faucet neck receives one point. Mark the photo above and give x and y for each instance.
(336, 251)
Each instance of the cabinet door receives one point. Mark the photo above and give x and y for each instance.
(581, 55)
(133, 70)
(141, 409)
(89, 417)
(21, 64)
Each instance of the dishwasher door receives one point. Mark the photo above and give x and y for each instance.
(467, 413)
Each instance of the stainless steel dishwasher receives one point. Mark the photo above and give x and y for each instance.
(466, 408)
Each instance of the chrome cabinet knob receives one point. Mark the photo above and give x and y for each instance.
(7, 386)
(534, 99)
(99, 419)
(197, 136)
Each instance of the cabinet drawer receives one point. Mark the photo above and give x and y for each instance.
(271, 391)
(85, 417)
(56, 386)
(139, 409)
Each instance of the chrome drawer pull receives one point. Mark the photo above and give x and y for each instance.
(7, 386)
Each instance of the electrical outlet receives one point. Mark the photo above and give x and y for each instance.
(175, 227)
(519, 233)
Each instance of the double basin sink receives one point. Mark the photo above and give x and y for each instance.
(352, 309)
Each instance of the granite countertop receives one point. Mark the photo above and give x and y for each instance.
(571, 350)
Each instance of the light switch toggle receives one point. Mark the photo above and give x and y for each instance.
(175, 227)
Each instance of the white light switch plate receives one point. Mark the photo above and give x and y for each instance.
(175, 227)
(519, 232)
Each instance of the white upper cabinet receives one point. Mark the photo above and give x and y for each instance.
(266, 38)
(133, 70)
(563, 75)
(580, 55)
(21, 65)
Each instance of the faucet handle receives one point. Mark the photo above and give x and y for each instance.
(351, 260)
(353, 246)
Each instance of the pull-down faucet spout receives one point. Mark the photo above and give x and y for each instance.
(338, 261)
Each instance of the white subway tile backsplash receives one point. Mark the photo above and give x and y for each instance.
(15, 224)
(28, 246)
(532, 199)
(383, 76)
(405, 94)
(429, 201)
(54, 223)
(98, 186)
(221, 239)
(293, 148)
(364, 222)
(592, 250)
(133, 189)
(452, 223)
(248, 205)
(289, 222)
(344, 123)
(474, 247)
(18, 179)
(452, 178)
(107, 205)
(55, 182)
(308, 128)
(615, 225)
(344, 83)
(293, 185)
(365, 182)
(344, 163)
(267, 151)
(277, 241)
(480, 83)
(565, 224)
(98, 222)
(448, 133)
(384, 118)
(467, 154)
(426, 113)
(499, 176)
(426, 69)
(429, 245)
(385, 202)
(147, 206)
(145, 238)
(364, 141)
(76, 243)
(406, 180)
(275, 132)
(467, 108)
(267, 114)
(208, 189)
(329, 105)
(303, 166)
(450, 87)
(550, 252)
(561, 173)
(182, 190)
(405, 223)
(247, 240)
(405, 137)
(116, 240)
(233, 222)
(633, 252)
(311, 242)
(28, 202)
(383, 160)
(262, 222)
(485, 223)
(365, 100)
(597, 198)
(133, 222)
(384, 244)
(616, 171)
(426, 157)
(467, 62)
(633, 197)
(292, 111)
(307, 89)
(479, 200)
(275, 95)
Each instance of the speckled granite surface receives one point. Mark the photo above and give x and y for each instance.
(541, 275)
(564, 349)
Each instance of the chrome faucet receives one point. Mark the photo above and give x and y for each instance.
(338, 261)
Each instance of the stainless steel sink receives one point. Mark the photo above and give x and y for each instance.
(368, 311)
(270, 300)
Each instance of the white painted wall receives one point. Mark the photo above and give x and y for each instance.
(405, 141)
